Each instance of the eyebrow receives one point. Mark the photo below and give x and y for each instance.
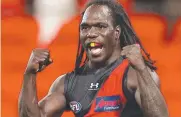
(97, 23)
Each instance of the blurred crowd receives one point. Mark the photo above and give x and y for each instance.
(53, 24)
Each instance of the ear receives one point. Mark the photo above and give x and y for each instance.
(117, 32)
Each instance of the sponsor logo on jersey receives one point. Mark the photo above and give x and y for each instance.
(108, 103)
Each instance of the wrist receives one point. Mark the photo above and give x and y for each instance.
(29, 71)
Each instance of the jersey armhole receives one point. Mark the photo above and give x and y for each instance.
(66, 84)
(126, 92)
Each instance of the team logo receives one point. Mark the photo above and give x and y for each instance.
(94, 86)
(108, 103)
(75, 106)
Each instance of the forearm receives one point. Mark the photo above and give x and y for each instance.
(28, 101)
(152, 101)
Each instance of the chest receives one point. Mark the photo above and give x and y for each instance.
(95, 94)
(98, 97)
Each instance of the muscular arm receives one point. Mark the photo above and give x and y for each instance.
(50, 106)
(147, 93)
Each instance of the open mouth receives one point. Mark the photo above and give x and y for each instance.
(95, 48)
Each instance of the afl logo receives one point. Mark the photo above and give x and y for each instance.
(75, 106)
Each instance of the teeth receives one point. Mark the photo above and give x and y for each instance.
(92, 44)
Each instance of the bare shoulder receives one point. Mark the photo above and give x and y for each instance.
(58, 84)
(132, 82)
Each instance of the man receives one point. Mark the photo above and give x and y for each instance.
(113, 80)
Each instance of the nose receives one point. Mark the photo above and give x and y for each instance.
(92, 33)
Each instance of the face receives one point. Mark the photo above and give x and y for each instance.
(98, 35)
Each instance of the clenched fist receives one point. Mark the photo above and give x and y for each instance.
(133, 54)
(39, 59)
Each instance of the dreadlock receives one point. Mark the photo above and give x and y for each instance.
(127, 37)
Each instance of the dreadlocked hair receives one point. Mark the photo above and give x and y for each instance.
(127, 37)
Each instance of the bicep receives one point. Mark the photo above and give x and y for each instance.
(52, 105)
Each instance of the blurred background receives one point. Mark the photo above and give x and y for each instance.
(27, 24)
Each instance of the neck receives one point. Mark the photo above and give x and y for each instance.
(115, 56)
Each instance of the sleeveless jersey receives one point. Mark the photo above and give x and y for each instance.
(100, 100)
